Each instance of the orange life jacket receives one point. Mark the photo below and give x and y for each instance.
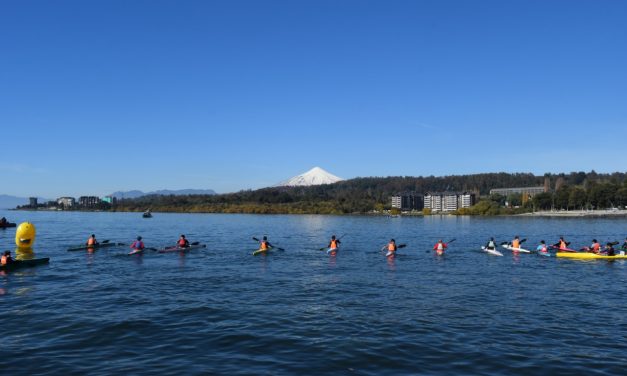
(515, 243)
(91, 241)
(596, 247)
(563, 244)
(333, 244)
(391, 247)
(264, 245)
(3, 260)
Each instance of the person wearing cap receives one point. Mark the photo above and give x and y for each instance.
(92, 241)
(182, 243)
(440, 247)
(138, 244)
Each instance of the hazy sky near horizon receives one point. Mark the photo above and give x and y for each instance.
(101, 96)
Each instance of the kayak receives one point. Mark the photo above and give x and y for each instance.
(589, 256)
(563, 249)
(261, 251)
(99, 245)
(545, 254)
(332, 251)
(7, 225)
(17, 264)
(136, 251)
(521, 250)
(491, 251)
(182, 249)
(390, 254)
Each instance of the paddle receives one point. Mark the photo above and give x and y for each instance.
(447, 243)
(323, 248)
(278, 248)
(105, 241)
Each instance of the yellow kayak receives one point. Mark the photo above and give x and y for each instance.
(588, 256)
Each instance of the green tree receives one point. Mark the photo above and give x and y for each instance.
(562, 196)
(543, 201)
(577, 198)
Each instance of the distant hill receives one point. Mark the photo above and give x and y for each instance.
(11, 202)
(163, 192)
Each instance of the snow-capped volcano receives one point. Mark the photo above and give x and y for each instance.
(315, 176)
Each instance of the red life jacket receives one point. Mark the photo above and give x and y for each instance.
(182, 242)
(596, 247)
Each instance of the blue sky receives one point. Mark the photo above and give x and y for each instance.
(100, 96)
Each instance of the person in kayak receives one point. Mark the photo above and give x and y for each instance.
(440, 246)
(516, 242)
(561, 244)
(92, 241)
(334, 244)
(6, 258)
(491, 244)
(609, 249)
(595, 247)
(392, 247)
(3, 221)
(542, 247)
(264, 244)
(138, 244)
(624, 247)
(182, 243)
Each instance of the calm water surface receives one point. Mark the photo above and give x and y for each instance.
(222, 311)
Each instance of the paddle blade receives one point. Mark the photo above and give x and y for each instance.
(524, 240)
(503, 243)
(255, 239)
(402, 246)
(194, 243)
(105, 241)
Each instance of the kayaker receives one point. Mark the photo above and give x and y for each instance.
(92, 241)
(595, 247)
(334, 244)
(561, 244)
(624, 247)
(182, 243)
(264, 244)
(138, 244)
(440, 246)
(3, 221)
(609, 249)
(491, 244)
(516, 242)
(392, 247)
(542, 247)
(6, 258)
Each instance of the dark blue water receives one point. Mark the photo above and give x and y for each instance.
(222, 311)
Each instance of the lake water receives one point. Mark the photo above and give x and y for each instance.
(220, 310)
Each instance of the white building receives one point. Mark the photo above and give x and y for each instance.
(66, 202)
(448, 201)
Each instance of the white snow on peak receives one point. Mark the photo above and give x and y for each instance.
(315, 176)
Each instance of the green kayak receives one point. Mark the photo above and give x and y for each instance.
(17, 264)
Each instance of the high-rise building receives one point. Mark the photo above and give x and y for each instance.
(408, 201)
(448, 201)
(88, 201)
(66, 202)
(32, 202)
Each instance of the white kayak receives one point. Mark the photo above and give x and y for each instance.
(509, 247)
(491, 251)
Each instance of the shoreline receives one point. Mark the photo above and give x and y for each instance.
(576, 214)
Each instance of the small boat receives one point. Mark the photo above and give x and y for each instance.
(7, 225)
(513, 249)
(96, 246)
(589, 256)
(181, 249)
(18, 264)
(260, 251)
(491, 251)
(147, 214)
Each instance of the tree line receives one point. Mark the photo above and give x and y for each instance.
(362, 195)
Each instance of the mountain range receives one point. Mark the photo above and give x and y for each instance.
(163, 192)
